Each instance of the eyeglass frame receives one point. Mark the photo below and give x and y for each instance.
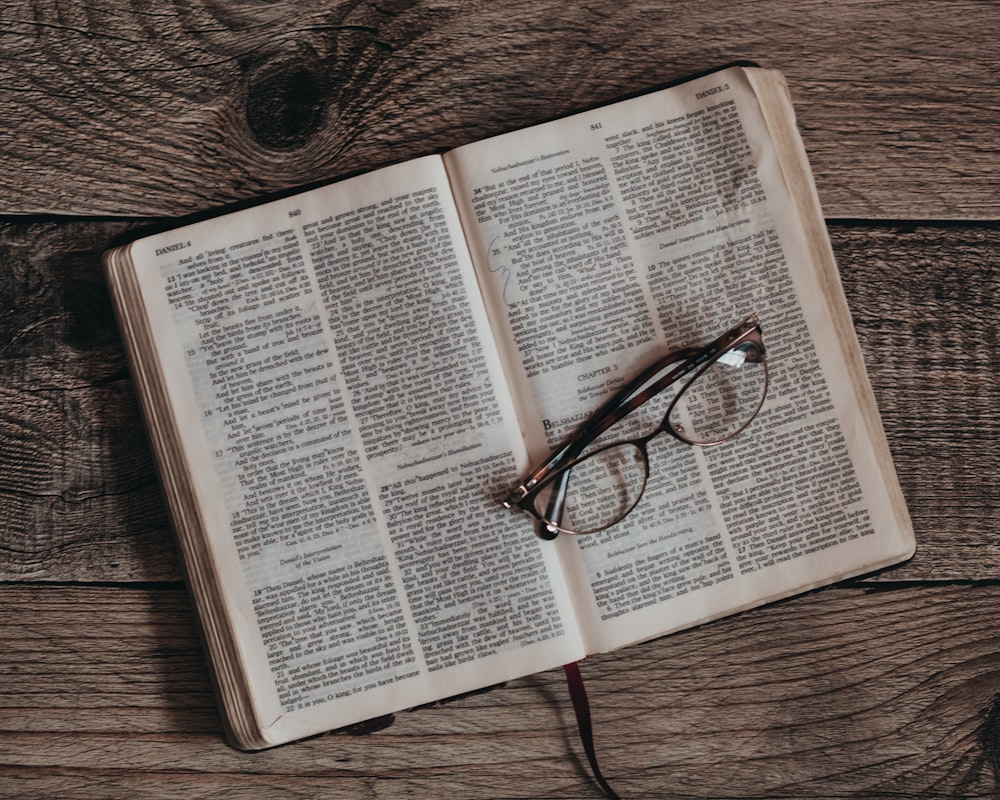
(561, 461)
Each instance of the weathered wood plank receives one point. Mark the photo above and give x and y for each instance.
(78, 493)
(103, 695)
(113, 109)
(924, 302)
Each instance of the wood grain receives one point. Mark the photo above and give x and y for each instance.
(79, 498)
(106, 697)
(924, 303)
(78, 493)
(116, 109)
(876, 689)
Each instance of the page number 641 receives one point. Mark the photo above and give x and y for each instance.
(595, 126)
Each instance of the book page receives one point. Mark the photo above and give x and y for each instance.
(608, 239)
(343, 414)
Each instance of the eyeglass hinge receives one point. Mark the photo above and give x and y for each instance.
(516, 496)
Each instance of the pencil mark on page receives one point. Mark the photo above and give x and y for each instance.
(501, 270)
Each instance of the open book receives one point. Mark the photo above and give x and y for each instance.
(342, 386)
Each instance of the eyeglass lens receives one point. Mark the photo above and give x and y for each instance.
(601, 489)
(722, 400)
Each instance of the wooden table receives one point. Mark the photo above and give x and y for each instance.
(117, 119)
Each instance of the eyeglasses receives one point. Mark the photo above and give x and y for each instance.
(582, 491)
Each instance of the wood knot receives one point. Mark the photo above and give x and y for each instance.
(286, 98)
